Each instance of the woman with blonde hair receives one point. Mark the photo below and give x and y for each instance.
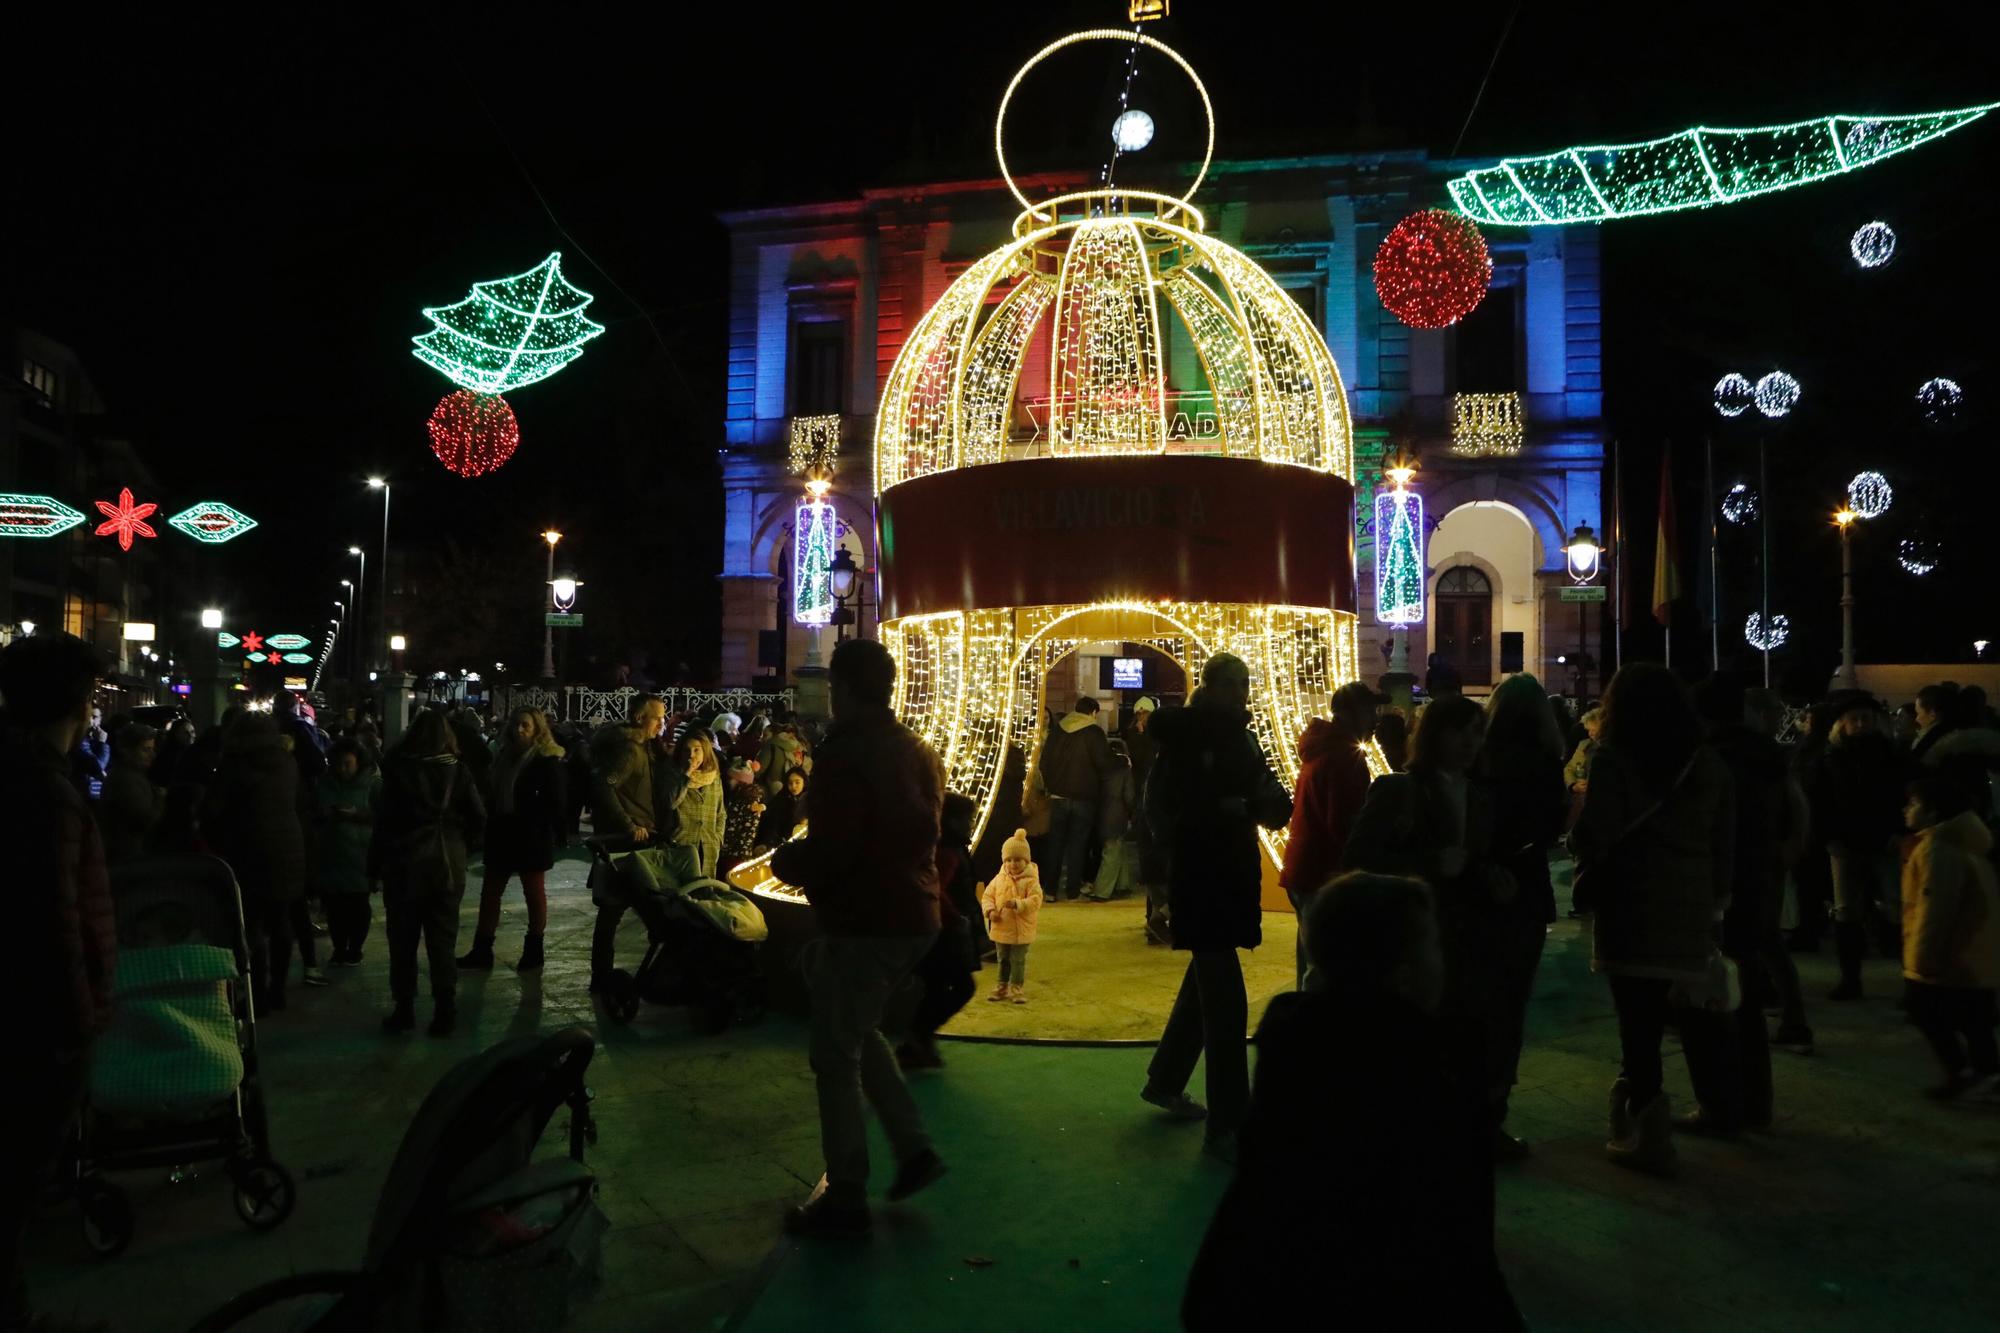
(696, 798)
(524, 827)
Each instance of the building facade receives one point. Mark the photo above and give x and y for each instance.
(1502, 414)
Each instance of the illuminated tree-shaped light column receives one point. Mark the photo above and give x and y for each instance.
(1399, 561)
(813, 527)
(508, 333)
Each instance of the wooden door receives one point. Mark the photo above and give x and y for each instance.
(1464, 628)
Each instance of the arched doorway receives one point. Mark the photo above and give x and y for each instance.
(1463, 633)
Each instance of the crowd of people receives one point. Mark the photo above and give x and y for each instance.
(1709, 844)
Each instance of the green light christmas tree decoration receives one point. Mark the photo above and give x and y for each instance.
(510, 332)
(812, 563)
(1399, 553)
(1696, 168)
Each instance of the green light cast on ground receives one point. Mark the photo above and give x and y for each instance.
(510, 331)
(1696, 168)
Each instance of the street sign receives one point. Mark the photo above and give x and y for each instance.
(289, 642)
(563, 620)
(1587, 593)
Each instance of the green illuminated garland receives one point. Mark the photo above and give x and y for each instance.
(1696, 168)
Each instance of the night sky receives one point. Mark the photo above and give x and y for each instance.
(236, 221)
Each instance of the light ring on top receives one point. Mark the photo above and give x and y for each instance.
(1101, 35)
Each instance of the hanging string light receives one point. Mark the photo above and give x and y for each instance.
(1777, 393)
(473, 433)
(1873, 245)
(1734, 395)
(1432, 269)
(1917, 555)
(1939, 400)
(1869, 495)
(1763, 636)
(1739, 505)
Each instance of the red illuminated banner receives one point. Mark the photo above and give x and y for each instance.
(1050, 531)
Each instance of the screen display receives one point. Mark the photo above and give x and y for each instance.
(1128, 673)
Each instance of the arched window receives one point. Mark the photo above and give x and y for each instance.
(1464, 579)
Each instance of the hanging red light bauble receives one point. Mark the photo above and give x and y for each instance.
(1432, 269)
(473, 433)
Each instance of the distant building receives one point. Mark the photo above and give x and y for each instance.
(58, 439)
(1504, 411)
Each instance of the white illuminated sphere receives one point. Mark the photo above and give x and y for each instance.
(1740, 504)
(1733, 395)
(1132, 131)
(1868, 495)
(1765, 637)
(1873, 245)
(1939, 400)
(1777, 394)
(1866, 140)
(1918, 555)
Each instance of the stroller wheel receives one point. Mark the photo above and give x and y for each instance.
(264, 1194)
(107, 1218)
(621, 996)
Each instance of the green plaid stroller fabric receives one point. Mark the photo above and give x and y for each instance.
(171, 1051)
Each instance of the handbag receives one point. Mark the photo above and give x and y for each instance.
(1584, 886)
(1720, 990)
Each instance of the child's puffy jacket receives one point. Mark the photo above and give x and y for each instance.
(1017, 926)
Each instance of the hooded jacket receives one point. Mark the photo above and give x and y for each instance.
(1951, 907)
(868, 862)
(621, 774)
(251, 816)
(1209, 792)
(780, 754)
(1076, 759)
(1025, 894)
(427, 811)
(1333, 786)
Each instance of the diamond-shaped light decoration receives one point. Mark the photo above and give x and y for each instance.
(213, 522)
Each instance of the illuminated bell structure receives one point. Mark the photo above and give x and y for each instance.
(1112, 428)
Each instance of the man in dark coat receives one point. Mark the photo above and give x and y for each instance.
(1364, 1192)
(1857, 797)
(1076, 759)
(58, 979)
(1209, 792)
(868, 865)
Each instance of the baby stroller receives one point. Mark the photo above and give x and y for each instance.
(702, 935)
(174, 1080)
(470, 1234)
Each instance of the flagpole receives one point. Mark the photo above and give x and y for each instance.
(1714, 602)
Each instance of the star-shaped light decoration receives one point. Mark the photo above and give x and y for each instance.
(253, 642)
(125, 520)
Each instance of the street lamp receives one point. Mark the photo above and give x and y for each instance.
(841, 572)
(1584, 555)
(382, 613)
(549, 631)
(211, 617)
(360, 590)
(397, 643)
(1844, 520)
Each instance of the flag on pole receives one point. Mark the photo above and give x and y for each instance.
(1667, 546)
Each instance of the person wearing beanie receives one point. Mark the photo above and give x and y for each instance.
(743, 806)
(1012, 901)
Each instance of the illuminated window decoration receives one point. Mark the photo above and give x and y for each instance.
(1766, 637)
(815, 445)
(1734, 395)
(509, 332)
(1872, 245)
(125, 520)
(1777, 393)
(1696, 168)
(1432, 269)
(813, 537)
(1739, 504)
(1939, 400)
(473, 433)
(1486, 424)
(1399, 553)
(213, 522)
(1132, 131)
(1868, 495)
(1917, 555)
(35, 516)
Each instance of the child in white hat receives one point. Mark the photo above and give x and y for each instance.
(1012, 901)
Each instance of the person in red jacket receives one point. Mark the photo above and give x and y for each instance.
(65, 942)
(1333, 786)
(868, 865)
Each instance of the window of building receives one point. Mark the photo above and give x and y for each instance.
(1488, 344)
(42, 380)
(819, 362)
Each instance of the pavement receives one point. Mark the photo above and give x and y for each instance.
(1070, 1204)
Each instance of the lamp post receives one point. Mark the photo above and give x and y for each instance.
(842, 572)
(1583, 554)
(382, 610)
(549, 631)
(1844, 520)
(360, 598)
